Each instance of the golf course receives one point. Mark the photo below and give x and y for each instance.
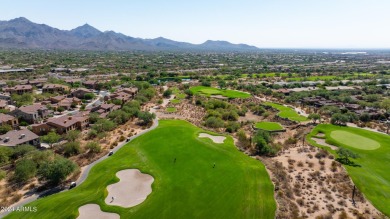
(193, 178)
(373, 149)
(286, 112)
(209, 91)
(269, 126)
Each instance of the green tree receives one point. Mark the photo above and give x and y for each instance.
(4, 128)
(93, 117)
(167, 93)
(93, 147)
(89, 96)
(385, 104)
(339, 119)
(222, 84)
(345, 154)
(72, 148)
(104, 125)
(214, 122)
(51, 138)
(21, 150)
(72, 135)
(146, 117)
(25, 169)
(5, 154)
(56, 170)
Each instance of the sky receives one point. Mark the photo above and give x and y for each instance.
(262, 23)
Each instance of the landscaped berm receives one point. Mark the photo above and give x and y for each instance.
(193, 178)
(269, 126)
(372, 176)
(211, 91)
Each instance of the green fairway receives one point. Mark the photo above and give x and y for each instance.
(208, 91)
(171, 109)
(287, 112)
(175, 101)
(269, 126)
(353, 140)
(373, 177)
(180, 96)
(238, 186)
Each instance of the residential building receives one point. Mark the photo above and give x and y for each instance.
(80, 92)
(38, 82)
(90, 84)
(123, 94)
(62, 124)
(9, 120)
(32, 113)
(19, 137)
(19, 89)
(3, 104)
(6, 97)
(55, 88)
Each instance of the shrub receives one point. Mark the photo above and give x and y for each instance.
(56, 170)
(122, 138)
(214, 122)
(2, 174)
(72, 148)
(25, 169)
(167, 93)
(92, 133)
(93, 147)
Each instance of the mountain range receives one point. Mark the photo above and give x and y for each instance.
(21, 33)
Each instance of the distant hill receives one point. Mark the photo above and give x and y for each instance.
(23, 34)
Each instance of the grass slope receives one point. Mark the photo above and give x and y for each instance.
(287, 112)
(269, 126)
(238, 187)
(208, 91)
(373, 177)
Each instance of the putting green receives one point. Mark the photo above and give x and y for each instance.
(354, 140)
(269, 126)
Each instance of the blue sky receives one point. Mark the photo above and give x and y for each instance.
(263, 23)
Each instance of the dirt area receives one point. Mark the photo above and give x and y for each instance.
(132, 189)
(107, 143)
(94, 211)
(249, 116)
(185, 111)
(215, 139)
(309, 183)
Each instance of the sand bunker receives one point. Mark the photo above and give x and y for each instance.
(322, 142)
(94, 211)
(215, 139)
(132, 189)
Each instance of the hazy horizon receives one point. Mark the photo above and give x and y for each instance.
(280, 24)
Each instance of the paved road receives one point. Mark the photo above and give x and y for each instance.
(82, 177)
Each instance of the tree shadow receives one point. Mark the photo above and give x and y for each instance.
(347, 162)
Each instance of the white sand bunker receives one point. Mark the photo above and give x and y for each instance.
(94, 211)
(131, 190)
(215, 139)
(322, 142)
